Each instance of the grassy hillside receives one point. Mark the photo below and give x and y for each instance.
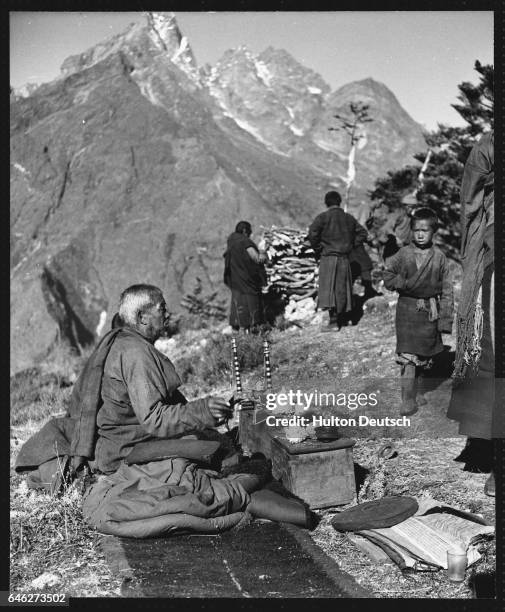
(49, 538)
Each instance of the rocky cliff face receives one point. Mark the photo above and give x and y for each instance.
(134, 165)
(270, 95)
(289, 108)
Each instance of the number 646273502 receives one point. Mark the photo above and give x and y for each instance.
(40, 598)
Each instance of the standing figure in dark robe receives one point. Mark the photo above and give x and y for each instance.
(245, 275)
(420, 274)
(333, 235)
(359, 259)
(396, 232)
(473, 402)
(361, 265)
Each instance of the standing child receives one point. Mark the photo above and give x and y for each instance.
(419, 272)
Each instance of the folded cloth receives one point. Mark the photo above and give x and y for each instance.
(165, 497)
(200, 451)
(52, 440)
(51, 476)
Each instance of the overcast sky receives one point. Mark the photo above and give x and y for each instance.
(420, 56)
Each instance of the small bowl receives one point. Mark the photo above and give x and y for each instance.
(326, 433)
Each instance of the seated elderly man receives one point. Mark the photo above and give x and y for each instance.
(128, 395)
(140, 393)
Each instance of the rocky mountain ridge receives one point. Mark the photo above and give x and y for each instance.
(289, 108)
(134, 165)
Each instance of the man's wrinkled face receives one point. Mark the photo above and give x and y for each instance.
(156, 319)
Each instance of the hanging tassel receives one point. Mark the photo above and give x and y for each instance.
(431, 308)
(469, 340)
(474, 347)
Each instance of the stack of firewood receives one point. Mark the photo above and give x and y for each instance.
(291, 266)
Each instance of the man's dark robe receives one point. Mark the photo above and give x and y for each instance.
(477, 242)
(361, 263)
(141, 401)
(415, 332)
(333, 234)
(396, 232)
(86, 399)
(128, 392)
(245, 277)
(166, 497)
(473, 401)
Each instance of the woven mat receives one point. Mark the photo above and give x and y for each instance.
(263, 559)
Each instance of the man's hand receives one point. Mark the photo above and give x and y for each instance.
(220, 409)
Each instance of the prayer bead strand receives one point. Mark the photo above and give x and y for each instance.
(268, 370)
(236, 368)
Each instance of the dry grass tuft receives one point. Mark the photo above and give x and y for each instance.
(211, 365)
(49, 535)
(50, 401)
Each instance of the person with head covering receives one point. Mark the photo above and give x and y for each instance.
(473, 403)
(360, 260)
(245, 275)
(333, 235)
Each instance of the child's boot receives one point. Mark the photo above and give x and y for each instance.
(420, 388)
(409, 388)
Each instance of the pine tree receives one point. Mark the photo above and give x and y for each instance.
(450, 147)
(352, 124)
(477, 101)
